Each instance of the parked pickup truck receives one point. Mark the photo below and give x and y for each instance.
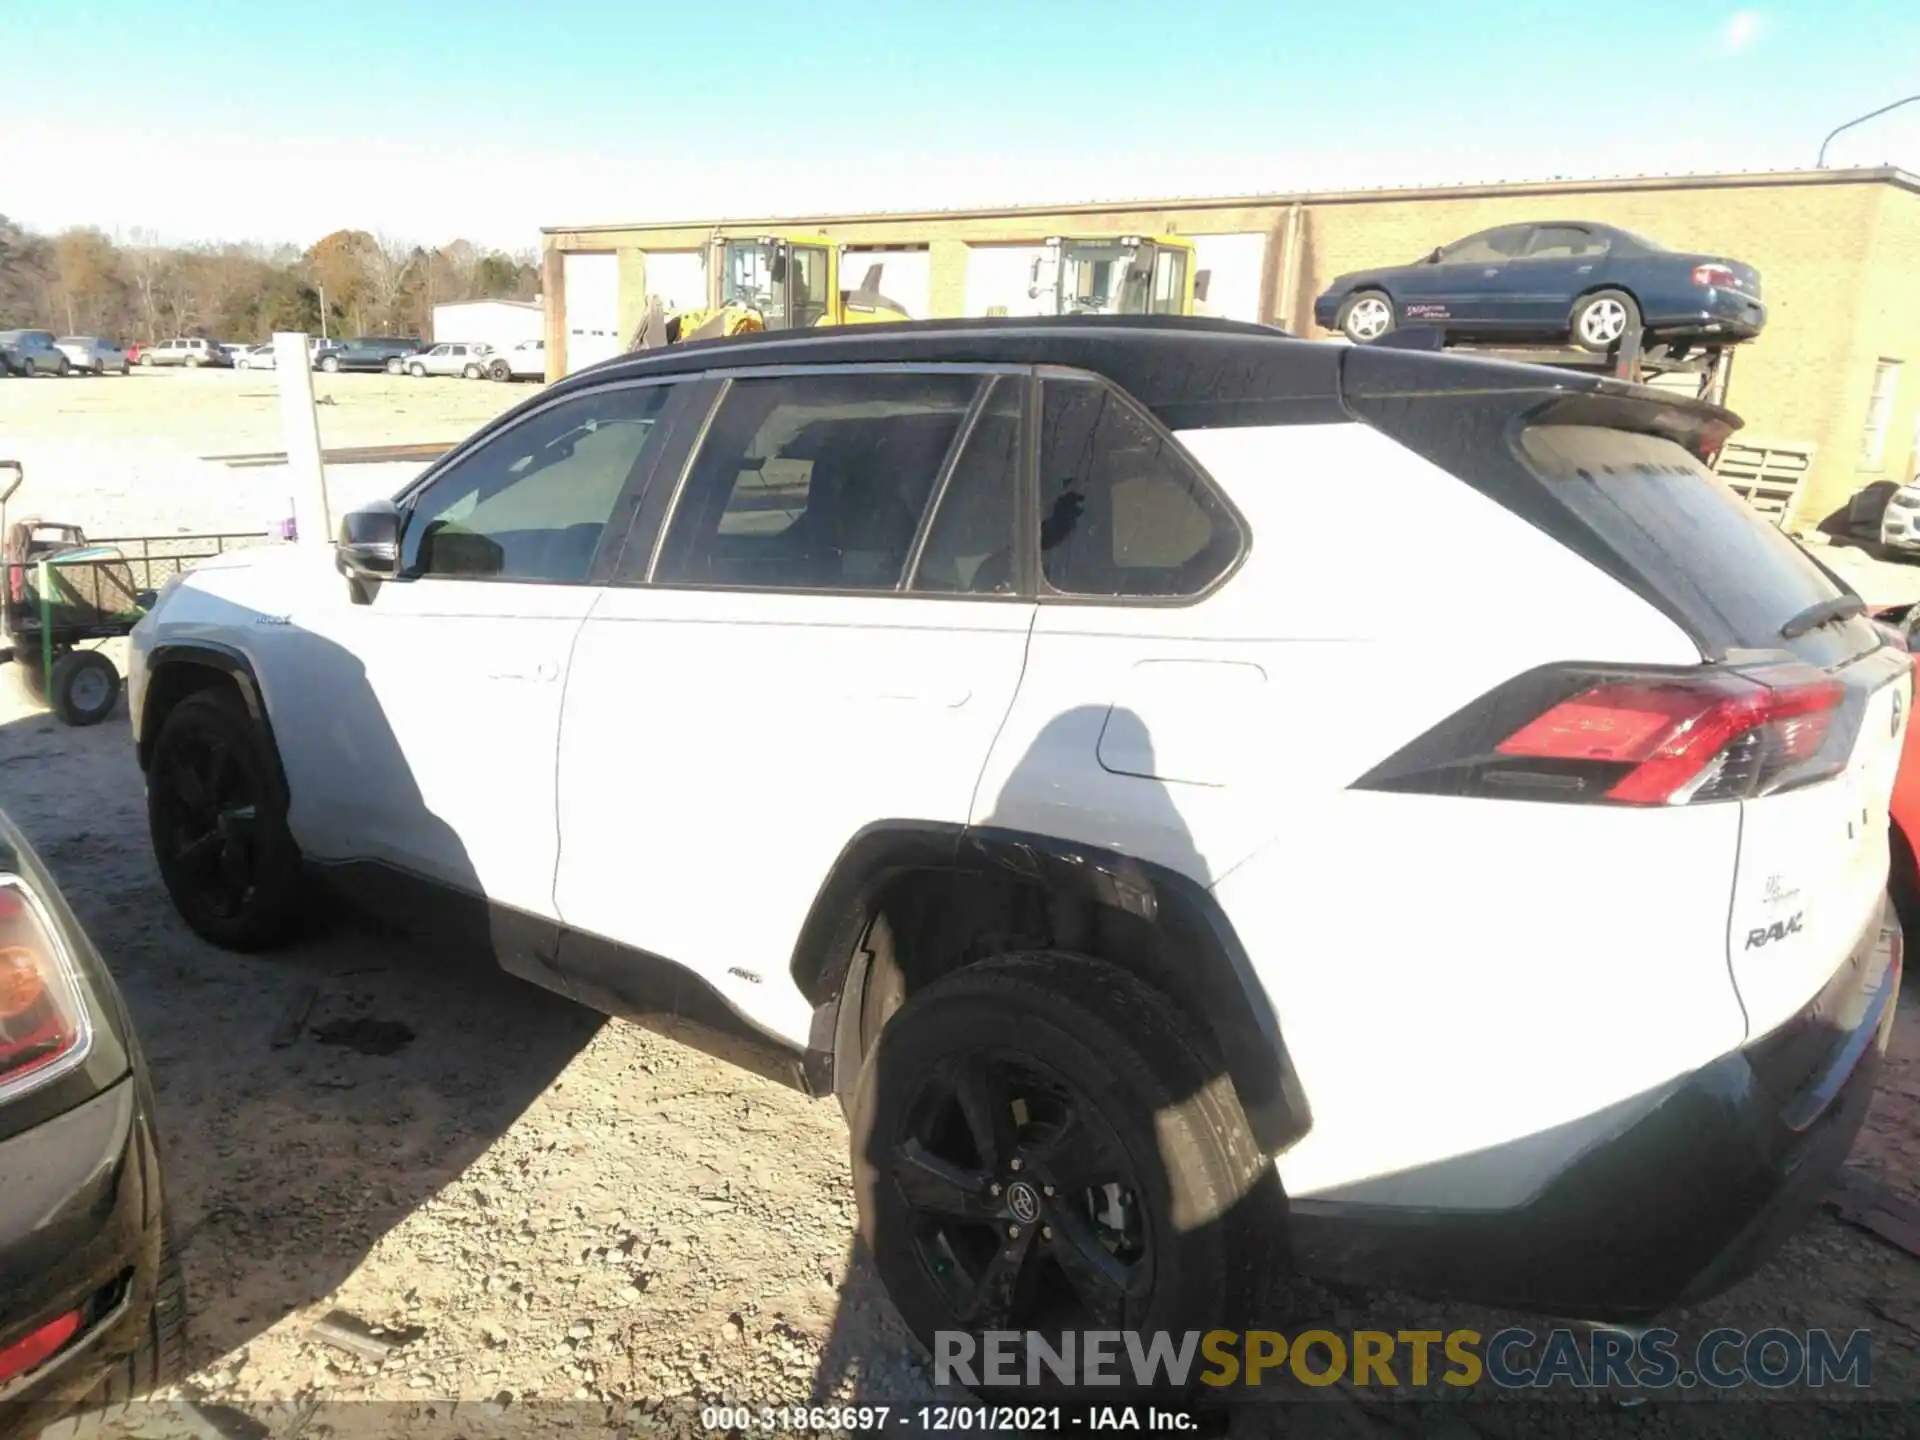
(525, 361)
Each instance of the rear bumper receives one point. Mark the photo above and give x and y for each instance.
(1717, 313)
(1683, 1202)
(81, 1231)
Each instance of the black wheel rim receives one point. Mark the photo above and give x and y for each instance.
(211, 825)
(1023, 1207)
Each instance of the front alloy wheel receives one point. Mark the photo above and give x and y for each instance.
(219, 829)
(1367, 316)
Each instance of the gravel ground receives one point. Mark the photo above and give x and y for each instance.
(567, 1222)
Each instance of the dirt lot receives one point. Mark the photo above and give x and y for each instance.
(571, 1223)
(138, 455)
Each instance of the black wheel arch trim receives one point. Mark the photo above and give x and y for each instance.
(828, 965)
(230, 662)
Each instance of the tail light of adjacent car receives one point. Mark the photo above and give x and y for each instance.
(1715, 276)
(44, 1029)
(1620, 738)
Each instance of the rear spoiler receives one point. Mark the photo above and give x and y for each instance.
(1539, 394)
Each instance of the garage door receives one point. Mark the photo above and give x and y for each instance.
(1233, 264)
(999, 278)
(906, 277)
(592, 289)
(678, 277)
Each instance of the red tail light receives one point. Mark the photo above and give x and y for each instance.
(1715, 739)
(43, 1020)
(1709, 276)
(1577, 734)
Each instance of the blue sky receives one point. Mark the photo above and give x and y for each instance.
(280, 119)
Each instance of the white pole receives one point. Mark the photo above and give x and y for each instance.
(293, 361)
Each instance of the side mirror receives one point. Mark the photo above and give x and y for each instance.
(1202, 279)
(1434, 258)
(777, 271)
(369, 546)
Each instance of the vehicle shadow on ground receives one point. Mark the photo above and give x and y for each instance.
(311, 1099)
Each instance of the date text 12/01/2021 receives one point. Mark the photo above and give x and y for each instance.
(945, 1419)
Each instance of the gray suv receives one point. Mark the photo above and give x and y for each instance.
(32, 352)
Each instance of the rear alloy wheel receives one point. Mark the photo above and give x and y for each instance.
(1603, 319)
(1365, 316)
(219, 825)
(394, 367)
(330, 364)
(28, 368)
(65, 367)
(84, 688)
(418, 371)
(1040, 1144)
(472, 372)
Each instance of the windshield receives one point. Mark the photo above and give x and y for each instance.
(746, 278)
(1103, 278)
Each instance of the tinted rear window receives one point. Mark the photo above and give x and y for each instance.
(1670, 517)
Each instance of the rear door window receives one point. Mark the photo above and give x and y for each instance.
(814, 482)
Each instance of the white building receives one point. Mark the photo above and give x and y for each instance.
(499, 323)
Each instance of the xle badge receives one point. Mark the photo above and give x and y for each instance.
(1779, 930)
(1023, 1202)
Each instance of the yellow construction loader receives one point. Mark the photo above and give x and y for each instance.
(770, 282)
(792, 282)
(1114, 275)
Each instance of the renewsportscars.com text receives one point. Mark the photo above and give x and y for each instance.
(1511, 1359)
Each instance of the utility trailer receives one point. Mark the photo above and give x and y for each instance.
(62, 594)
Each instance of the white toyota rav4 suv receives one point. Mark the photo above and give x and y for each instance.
(1003, 726)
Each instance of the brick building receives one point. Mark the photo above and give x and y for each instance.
(1838, 252)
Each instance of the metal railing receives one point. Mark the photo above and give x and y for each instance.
(155, 559)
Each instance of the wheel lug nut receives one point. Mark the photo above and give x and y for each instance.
(1013, 1232)
(1014, 1164)
(994, 1188)
(1047, 1190)
(1046, 1232)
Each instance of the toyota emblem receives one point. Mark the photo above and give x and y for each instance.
(1023, 1201)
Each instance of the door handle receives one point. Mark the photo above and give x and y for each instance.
(544, 672)
(1490, 273)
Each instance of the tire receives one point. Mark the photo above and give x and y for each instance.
(1155, 1159)
(84, 688)
(1365, 315)
(243, 364)
(194, 362)
(331, 364)
(472, 372)
(158, 1360)
(1602, 320)
(394, 367)
(499, 370)
(418, 372)
(65, 367)
(219, 825)
(28, 368)
(146, 360)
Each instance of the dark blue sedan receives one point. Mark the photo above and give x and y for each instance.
(1554, 281)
